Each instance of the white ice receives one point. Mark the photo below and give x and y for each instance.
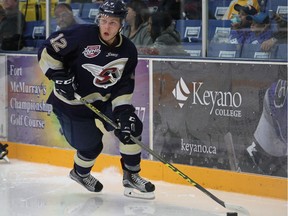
(32, 189)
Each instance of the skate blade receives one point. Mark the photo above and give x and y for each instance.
(6, 159)
(133, 193)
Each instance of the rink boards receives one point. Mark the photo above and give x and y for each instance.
(198, 115)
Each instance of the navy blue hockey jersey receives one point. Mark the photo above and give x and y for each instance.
(104, 75)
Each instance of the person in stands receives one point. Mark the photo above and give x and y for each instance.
(231, 11)
(240, 26)
(166, 40)
(14, 26)
(136, 26)
(64, 17)
(279, 36)
(260, 29)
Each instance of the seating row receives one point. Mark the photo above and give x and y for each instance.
(34, 10)
(191, 30)
(218, 8)
(35, 35)
(247, 51)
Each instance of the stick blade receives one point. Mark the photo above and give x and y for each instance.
(238, 209)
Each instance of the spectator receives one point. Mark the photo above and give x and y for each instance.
(279, 37)
(136, 28)
(15, 24)
(2, 13)
(3, 23)
(240, 26)
(231, 9)
(260, 29)
(239, 21)
(166, 41)
(64, 17)
(173, 7)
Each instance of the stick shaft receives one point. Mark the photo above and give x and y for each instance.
(146, 148)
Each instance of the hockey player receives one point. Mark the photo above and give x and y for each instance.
(270, 149)
(4, 152)
(98, 63)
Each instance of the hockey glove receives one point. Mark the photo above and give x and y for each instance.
(129, 124)
(65, 86)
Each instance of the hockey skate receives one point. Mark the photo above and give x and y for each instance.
(89, 182)
(4, 152)
(266, 164)
(136, 186)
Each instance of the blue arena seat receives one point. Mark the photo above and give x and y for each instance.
(90, 11)
(253, 51)
(189, 30)
(35, 31)
(194, 49)
(218, 26)
(281, 52)
(218, 7)
(76, 8)
(278, 6)
(222, 50)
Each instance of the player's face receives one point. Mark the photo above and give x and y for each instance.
(109, 28)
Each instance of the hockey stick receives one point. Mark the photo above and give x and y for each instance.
(173, 168)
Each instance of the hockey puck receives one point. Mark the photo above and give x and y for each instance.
(232, 214)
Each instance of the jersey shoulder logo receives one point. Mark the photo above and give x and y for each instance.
(92, 51)
(107, 75)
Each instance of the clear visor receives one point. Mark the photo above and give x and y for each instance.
(102, 16)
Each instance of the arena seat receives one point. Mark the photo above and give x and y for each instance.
(31, 9)
(193, 49)
(189, 30)
(42, 3)
(278, 6)
(220, 50)
(281, 52)
(218, 26)
(89, 11)
(218, 8)
(34, 33)
(253, 51)
(77, 8)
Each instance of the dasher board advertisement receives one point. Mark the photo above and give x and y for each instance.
(225, 116)
(3, 99)
(32, 121)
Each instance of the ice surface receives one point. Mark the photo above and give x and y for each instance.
(32, 189)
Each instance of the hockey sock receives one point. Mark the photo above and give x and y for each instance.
(130, 168)
(83, 165)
